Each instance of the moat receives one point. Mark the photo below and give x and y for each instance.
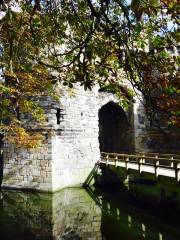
(132, 212)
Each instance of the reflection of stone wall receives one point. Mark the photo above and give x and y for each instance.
(75, 213)
(68, 213)
(27, 216)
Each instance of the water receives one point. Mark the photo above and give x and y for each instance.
(76, 213)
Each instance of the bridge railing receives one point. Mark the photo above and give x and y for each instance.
(160, 155)
(154, 164)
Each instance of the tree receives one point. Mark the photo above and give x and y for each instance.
(91, 42)
(24, 80)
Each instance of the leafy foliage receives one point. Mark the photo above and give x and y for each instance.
(91, 42)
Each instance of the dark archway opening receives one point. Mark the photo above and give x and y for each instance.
(113, 129)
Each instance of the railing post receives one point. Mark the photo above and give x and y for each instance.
(116, 159)
(143, 159)
(176, 171)
(156, 166)
(126, 161)
(107, 159)
(139, 164)
(178, 177)
(172, 163)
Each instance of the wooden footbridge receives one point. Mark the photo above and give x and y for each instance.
(155, 163)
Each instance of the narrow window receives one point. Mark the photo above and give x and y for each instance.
(58, 115)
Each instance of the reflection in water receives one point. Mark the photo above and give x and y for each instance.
(125, 218)
(80, 214)
(68, 214)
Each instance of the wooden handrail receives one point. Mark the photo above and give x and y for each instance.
(138, 161)
(140, 156)
(160, 154)
(120, 157)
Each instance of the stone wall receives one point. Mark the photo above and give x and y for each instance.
(75, 146)
(152, 139)
(140, 122)
(71, 134)
(75, 140)
(70, 145)
(31, 168)
(28, 168)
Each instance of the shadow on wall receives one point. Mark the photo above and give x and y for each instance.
(115, 133)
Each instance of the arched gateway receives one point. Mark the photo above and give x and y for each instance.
(113, 129)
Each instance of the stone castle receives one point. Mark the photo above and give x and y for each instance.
(79, 126)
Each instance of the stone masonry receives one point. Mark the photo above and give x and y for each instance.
(71, 138)
(70, 147)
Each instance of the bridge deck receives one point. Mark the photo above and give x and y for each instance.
(158, 164)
